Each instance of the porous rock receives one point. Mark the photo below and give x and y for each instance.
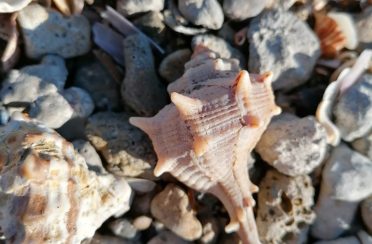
(141, 89)
(282, 43)
(46, 31)
(243, 9)
(219, 46)
(53, 110)
(366, 209)
(353, 110)
(127, 150)
(292, 145)
(207, 13)
(47, 191)
(172, 208)
(130, 7)
(172, 66)
(284, 208)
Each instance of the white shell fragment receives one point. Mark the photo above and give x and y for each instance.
(347, 26)
(9, 6)
(47, 193)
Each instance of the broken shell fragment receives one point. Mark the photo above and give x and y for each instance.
(10, 6)
(347, 26)
(47, 193)
(205, 135)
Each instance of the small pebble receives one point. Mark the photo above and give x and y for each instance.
(167, 237)
(220, 46)
(346, 23)
(284, 208)
(46, 31)
(80, 101)
(123, 228)
(366, 209)
(282, 43)
(126, 149)
(141, 89)
(152, 23)
(172, 208)
(130, 7)
(96, 80)
(142, 222)
(172, 66)
(353, 110)
(364, 145)
(143, 203)
(292, 145)
(363, 23)
(206, 13)
(141, 185)
(239, 10)
(90, 155)
(53, 110)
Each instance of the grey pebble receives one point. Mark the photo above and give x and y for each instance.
(123, 228)
(142, 222)
(172, 66)
(141, 89)
(353, 110)
(130, 7)
(366, 210)
(126, 149)
(283, 44)
(80, 101)
(206, 13)
(46, 31)
(103, 89)
(152, 23)
(53, 110)
(292, 145)
(243, 9)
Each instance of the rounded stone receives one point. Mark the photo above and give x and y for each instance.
(172, 66)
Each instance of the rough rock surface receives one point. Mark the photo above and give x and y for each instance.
(126, 149)
(68, 37)
(366, 209)
(284, 208)
(207, 13)
(353, 110)
(172, 208)
(346, 180)
(243, 9)
(172, 66)
(130, 7)
(282, 43)
(292, 145)
(141, 89)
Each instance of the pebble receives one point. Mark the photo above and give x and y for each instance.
(20, 87)
(142, 222)
(46, 31)
(141, 185)
(364, 237)
(53, 110)
(130, 7)
(211, 230)
(172, 66)
(353, 110)
(364, 145)
(143, 203)
(283, 44)
(4, 115)
(284, 208)
(103, 89)
(239, 10)
(347, 25)
(346, 180)
(220, 46)
(90, 155)
(292, 145)
(51, 69)
(141, 89)
(126, 149)
(172, 208)
(344, 240)
(363, 23)
(123, 228)
(167, 237)
(206, 13)
(366, 209)
(10, 6)
(80, 101)
(152, 23)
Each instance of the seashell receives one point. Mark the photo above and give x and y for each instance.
(332, 39)
(347, 26)
(47, 193)
(10, 6)
(204, 137)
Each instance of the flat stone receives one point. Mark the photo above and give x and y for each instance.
(126, 149)
(46, 31)
(130, 7)
(292, 145)
(283, 44)
(172, 208)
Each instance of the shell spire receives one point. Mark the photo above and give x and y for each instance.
(204, 137)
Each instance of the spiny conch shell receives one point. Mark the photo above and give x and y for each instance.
(335, 89)
(332, 39)
(47, 192)
(205, 135)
